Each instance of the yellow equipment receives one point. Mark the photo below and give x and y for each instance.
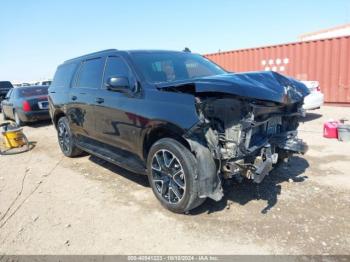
(12, 138)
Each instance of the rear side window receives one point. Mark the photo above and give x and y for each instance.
(90, 73)
(63, 75)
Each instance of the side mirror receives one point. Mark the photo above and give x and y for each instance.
(118, 84)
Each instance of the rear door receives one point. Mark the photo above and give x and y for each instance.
(82, 95)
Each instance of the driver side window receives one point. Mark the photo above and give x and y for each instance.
(116, 66)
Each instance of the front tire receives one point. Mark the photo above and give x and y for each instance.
(66, 139)
(172, 174)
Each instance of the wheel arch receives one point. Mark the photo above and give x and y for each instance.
(163, 131)
(209, 181)
(57, 116)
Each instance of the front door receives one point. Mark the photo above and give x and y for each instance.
(116, 123)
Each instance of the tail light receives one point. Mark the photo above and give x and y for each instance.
(26, 106)
(318, 88)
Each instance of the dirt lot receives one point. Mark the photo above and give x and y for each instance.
(87, 206)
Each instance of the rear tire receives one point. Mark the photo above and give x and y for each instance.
(172, 174)
(66, 139)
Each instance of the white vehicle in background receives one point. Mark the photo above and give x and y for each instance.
(316, 98)
(43, 83)
(24, 84)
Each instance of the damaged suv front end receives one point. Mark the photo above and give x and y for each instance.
(247, 123)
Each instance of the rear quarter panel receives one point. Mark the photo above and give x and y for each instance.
(58, 93)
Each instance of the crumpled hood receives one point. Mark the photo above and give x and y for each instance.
(269, 86)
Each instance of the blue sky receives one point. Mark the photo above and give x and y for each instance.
(37, 35)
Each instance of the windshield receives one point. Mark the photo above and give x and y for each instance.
(173, 66)
(32, 91)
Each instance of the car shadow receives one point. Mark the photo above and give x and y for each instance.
(268, 190)
(310, 117)
(40, 123)
(241, 193)
(17, 150)
(136, 178)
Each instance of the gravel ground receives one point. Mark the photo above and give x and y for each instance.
(50, 204)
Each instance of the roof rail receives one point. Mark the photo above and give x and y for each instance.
(91, 54)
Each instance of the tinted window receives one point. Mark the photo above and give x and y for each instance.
(196, 69)
(32, 91)
(90, 74)
(63, 75)
(173, 66)
(116, 67)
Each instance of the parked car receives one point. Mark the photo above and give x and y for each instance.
(25, 84)
(26, 104)
(5, 86)
(43, 83)
(177, 117)
(316, 98)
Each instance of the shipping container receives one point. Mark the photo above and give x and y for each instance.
(326, 61)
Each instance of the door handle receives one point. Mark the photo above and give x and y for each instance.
(99, 100)
(74, 98)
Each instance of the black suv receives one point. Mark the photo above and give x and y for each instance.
(177, 117)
